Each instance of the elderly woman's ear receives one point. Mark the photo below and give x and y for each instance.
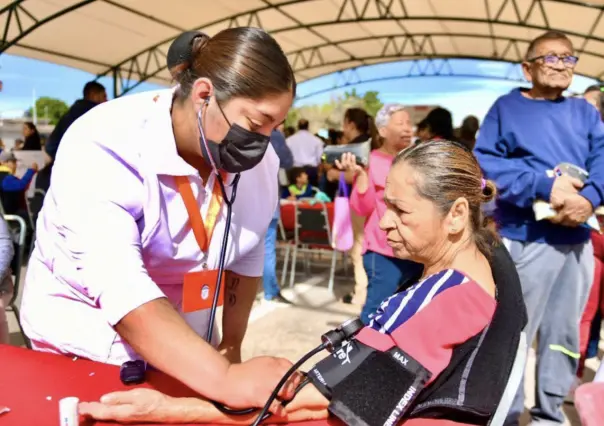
(457, 218)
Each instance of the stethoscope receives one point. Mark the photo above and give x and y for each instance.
(264, 414)
(229, 203)
(223, 248)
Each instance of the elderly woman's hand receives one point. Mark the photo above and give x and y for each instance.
(348, 163)
(151, 406)
(137, 405)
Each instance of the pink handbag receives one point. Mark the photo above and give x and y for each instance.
(342, 236)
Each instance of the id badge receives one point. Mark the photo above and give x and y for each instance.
(198, 290)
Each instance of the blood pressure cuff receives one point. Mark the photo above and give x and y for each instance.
(368, 387)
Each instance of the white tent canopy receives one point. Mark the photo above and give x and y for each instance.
(129, 39)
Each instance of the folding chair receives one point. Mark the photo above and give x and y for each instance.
(513, 383)
(13, 220)
(312, 229)
(285, 243)
(34, 206)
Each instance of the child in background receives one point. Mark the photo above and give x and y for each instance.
(300, 187)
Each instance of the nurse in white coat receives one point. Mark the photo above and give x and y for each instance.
(130, 233)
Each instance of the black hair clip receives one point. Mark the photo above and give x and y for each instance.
(180, 50)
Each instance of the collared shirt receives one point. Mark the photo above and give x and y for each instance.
(306, 148)
(114, 232)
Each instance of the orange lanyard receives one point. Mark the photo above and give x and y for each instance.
(202, 229)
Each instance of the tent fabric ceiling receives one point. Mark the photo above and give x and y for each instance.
(130, 38)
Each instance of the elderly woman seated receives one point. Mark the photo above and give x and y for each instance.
(442, 347)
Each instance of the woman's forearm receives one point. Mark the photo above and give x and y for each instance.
(158, 333)
(240, 293)
(362, 182)
(349, 176)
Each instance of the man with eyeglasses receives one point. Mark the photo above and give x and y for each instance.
(526, 133)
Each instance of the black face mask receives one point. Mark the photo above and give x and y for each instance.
(239, 151)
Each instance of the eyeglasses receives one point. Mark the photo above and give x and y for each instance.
(568, 61)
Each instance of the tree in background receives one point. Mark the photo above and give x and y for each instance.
(372, 102)
(331, 114)
(50, 108)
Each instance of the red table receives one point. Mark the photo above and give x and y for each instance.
(28, 379)
(32, 383)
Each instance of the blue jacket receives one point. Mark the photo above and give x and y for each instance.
(520, 139)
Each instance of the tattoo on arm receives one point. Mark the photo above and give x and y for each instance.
(232, 291)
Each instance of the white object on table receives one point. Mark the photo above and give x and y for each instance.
(68, 411)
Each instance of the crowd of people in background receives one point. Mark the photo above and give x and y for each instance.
(305, 175)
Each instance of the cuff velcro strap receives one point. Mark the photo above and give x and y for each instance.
(333, 369)
(380, 390)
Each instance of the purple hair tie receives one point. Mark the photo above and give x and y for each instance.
(483, 183)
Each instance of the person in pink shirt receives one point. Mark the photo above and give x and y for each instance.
(384, 271)
(130, 234)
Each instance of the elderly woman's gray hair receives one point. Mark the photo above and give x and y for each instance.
(382, 118)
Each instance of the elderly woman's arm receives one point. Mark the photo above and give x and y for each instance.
(146, 405)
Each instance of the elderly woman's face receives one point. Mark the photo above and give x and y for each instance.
(399, 131)
(414, 226)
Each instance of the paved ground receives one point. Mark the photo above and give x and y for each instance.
(290, 331)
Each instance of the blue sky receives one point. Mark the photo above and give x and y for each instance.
(472, 94)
